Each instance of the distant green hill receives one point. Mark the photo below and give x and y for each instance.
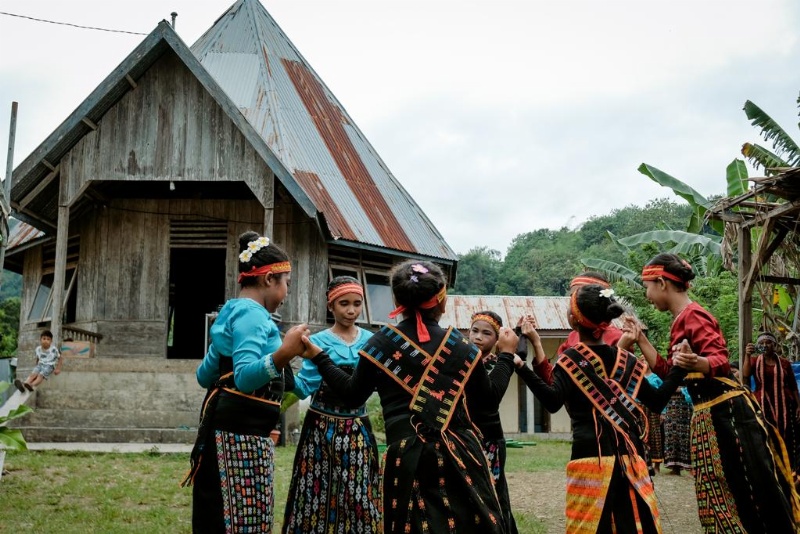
(11, 285)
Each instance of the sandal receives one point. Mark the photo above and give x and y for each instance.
(28, 386)
(19, 385)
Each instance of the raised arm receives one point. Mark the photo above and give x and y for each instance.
(552, 396)
(353, 389)
(656, 398)
(489, 389)
(632, 333)
(542, 367)
(747, 364)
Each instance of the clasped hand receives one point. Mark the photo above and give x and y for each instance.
(682, 356)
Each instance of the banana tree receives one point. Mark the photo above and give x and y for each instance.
(703, 251)
(10, 439)
(785, 153)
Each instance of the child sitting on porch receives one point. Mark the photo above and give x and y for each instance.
(48, 361)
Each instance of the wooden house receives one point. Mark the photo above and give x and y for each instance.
(141, 193)
(131, 209)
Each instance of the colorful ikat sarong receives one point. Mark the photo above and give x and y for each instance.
(588, 480)
(348, 498)
(246, 465)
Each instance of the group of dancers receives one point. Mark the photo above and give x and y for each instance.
(440, 392)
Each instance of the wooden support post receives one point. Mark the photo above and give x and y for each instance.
(746, 282)
(59, 276)
(269, 225)
(5, 193)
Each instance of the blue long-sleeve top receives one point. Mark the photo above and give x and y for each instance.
(244, 330)
(308, 379)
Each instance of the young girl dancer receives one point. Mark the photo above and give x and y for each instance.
(436, 477)
(742, 476)
(335, 480)
(612, 333)
(244, 372)
(608, 486)
(484, 333)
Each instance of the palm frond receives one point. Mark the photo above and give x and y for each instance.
(615, 272)
(759, 156)
(772, 131)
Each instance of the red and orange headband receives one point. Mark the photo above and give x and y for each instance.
(487, 318)
(275, 268)
(597, 329)
(587, 280)
(344, 289)
(654, 272)
(422, 331)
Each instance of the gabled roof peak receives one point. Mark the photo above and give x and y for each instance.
(313, 136)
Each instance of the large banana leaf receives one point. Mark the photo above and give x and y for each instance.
(784, 298)
(771, 131)
(697, 201)
(736, 173)
(21, 410)
(681, 189)
(613, 271)
(685, 242)
(12, 440)
(762, 157)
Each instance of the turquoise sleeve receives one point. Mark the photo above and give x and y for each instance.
(208, 371)
(307, 381)
(254, 339)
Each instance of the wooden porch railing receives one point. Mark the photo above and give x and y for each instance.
(79, 334)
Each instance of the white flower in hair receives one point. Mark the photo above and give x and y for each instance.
(262, 242)
(253, 246)
(245, 256)
(607, 293)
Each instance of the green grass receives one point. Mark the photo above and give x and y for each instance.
(76, 492)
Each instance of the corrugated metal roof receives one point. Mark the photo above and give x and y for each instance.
(20, 233)
(550, 312)
(311, 133)
(288, 115)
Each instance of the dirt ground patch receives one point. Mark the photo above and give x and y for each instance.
(542, 495)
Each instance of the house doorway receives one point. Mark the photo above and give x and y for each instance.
(196, 287)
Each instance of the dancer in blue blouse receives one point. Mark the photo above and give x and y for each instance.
(245, 372)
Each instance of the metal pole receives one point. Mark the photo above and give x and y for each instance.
(6, 194)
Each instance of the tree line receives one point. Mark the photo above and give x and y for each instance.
(542, 263)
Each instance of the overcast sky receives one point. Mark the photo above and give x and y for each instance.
(499, 117)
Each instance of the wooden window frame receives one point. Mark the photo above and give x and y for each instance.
(360, 273)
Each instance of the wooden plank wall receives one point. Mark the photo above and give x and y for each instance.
(168, 128)
(123, 271)
(300, 237)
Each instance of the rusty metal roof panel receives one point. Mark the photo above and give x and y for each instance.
(310, 132)
(21, 233)
(550, 312)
